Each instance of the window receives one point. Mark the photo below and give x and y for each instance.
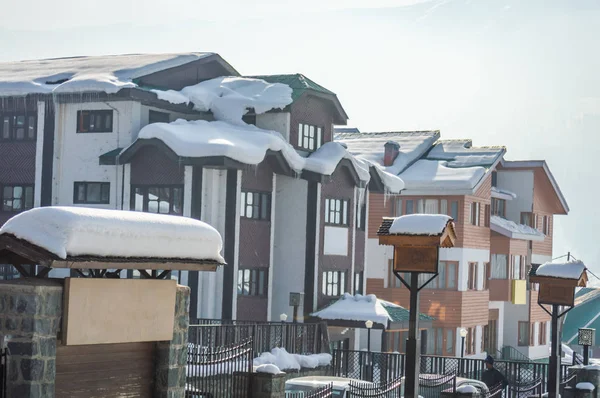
(251, 282)
(334, 283)
(16, 198)
(499, 266)
(446, 278)
(158, 117)
(454, 210)
(336, 211)
(361, 217)
(532, 334)
(472, 280)
(358, 282)
(410, 206)
(450, 342)
(309, 137)
(474, 219)
(94, 121)
(17, 127)
(486, 276)
(91, 192)
(158, 199)
(499, 207)
(523, 334)
(443, 206)
(470, 342)
(398, 207)
(494, 179)
(545, 225)
(516, 267)
(256, 205)
(486, 220)
(527, 219)
(542, 333)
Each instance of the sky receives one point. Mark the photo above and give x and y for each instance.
(523, 74)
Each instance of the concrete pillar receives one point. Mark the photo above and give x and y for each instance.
(30, 313)
(171, 356)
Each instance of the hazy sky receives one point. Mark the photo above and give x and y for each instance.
(524, 74)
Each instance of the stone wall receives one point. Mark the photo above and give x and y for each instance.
(30, 315)
(171, 356)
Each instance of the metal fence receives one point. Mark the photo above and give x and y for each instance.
(377, 367)
(296, 338)
(391, 389)
(219, 372)
(323, 392)
(3, 371)
(433, 387)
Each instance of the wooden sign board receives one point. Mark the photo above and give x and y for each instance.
(108, 311)
(556, 295)
(416, 259)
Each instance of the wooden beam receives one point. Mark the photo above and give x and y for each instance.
(22, 270)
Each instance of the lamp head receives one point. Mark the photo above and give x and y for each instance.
(283, 317)
(369, 324)
(463, 332)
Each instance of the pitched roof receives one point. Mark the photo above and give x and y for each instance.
(301, 84)
(461, 153)
(585, 314)
(401, 314)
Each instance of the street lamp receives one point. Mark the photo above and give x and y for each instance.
(369, 325)
(283, 317)
(463, 336)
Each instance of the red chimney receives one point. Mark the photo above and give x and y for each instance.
(392, 148)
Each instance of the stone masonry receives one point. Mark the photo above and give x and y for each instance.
(171, 356)
(30, 316)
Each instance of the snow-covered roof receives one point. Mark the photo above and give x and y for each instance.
(249, 144)
(77, 232)
(461, 153)
(541, 164)
(503, 194)
(564, 270)
(420, 224)
(370, 146)
(513, 230)
(85, 74)
(435, 175)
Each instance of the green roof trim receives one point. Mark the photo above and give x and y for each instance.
(584, 315)
(110, 158)
(297, 82)
(401, 314)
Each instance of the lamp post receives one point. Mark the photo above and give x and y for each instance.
(283, 318)
(586, 337)
(417, 239)
(463, 336)
(369, 325)
(557, 282)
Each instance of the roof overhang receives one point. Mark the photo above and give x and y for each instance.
(21, 252)
(515, 235)
(530, 164)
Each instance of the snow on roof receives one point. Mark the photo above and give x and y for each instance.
(78, 231)
(460, 153)
(435, 175)
(567, 270)
(370, 146)
(229, 97)
(85, 74)
(503, 194)
(420, 224)
(249, 144)
(356, 308)
(515, 231)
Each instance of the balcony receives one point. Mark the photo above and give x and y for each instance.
(511, 290)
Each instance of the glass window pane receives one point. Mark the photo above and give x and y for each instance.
(20, 133)
(240, 278)
(243, 204)
(451, 275)
(261, 282)
(398, 207)
(324, 283)
(18, 192)
(6, 128)
(17, 204)
(80, 192)
(108, 122)
(449, 342)
(94, 192)
(326, 210)
(345, 213)
(29, 197)
(30, 127)
(409, 207)
(177, 201)
(249, 209)
(311, 131)
(105, 192)
(264, 206)
(7, 193)
(300, 134)
(443, 206)
(311, 143)
(139, 200)
(454, 211)
(319, 138)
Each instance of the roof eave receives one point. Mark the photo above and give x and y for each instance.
(515, 235)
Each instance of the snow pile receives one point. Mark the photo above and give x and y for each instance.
(80, 231)
(107, 74)
(436, 175)
(585, 386)
(514, 230)
(286, 361)
(268, 368)
(229, 98)
(466, 389)
(567, 270)
(420, 224)
(356, 308)
(249, 144)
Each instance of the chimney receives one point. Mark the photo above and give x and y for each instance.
(392, 148)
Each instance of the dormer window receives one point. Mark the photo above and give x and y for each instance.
(309, 137)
